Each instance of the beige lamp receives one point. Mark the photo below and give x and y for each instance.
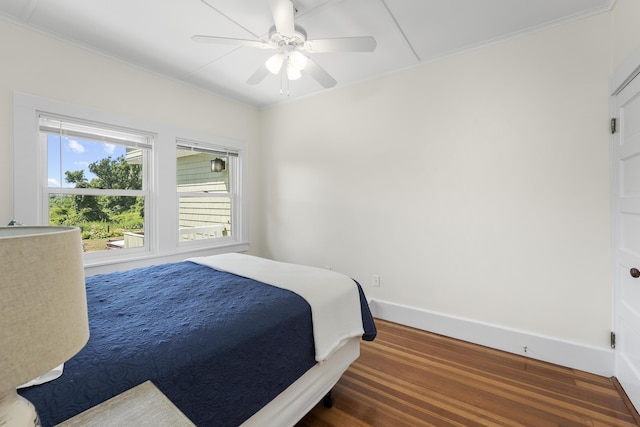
(43, 310)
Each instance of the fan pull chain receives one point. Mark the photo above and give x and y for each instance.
(283, 77)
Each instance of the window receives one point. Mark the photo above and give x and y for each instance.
(206, 178)
(115, 177)
(97, 181)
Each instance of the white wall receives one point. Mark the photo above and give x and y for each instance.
(625, 29)
(476, 186)
(38, 65)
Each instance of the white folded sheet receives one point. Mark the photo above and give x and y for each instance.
(333, 297)
(49, 376)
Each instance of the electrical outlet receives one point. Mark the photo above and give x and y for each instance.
(375, 280)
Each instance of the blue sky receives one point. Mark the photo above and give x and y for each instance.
(77, 154)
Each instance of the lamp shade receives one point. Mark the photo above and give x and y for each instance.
(43, 304)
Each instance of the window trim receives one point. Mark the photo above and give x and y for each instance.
(163, 245)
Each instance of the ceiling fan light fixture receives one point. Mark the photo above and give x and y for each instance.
(298, 60)
(274, 63)
(293, 73)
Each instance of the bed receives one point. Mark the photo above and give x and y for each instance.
(230, 339)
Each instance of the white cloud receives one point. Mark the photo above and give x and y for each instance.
(76, 146)
(53, 182)
(109, 148)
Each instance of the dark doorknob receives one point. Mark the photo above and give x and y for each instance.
(634, 272)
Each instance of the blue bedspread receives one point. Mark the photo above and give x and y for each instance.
(218, 345)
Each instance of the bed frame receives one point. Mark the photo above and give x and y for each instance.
(295, 402)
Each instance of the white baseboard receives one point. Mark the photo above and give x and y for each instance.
(596, 360)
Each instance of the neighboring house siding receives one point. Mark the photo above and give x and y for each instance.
(194, 175)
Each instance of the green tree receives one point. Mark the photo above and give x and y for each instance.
(110, 174)
(116, 174)
(77, 178)
(87, 208)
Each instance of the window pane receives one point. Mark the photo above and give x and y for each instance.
(106, 222)
(82, 163)
(89, 155)
(205, 202)
(204, 217)
(202, 172)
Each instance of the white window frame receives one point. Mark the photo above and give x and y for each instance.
(146, 144)
(30, 183)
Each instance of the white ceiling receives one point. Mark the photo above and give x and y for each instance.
(156, 34)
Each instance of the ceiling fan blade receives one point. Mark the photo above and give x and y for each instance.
(341, 44)
(282, 11)
(259, 75)
(230, 41)
(319, 74)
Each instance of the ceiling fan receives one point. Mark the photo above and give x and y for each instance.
(291, 46)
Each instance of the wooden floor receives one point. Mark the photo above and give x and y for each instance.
(408, 377)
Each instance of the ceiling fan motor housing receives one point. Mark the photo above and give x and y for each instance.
(284, 43)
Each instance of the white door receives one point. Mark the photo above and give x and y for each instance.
(626, 217)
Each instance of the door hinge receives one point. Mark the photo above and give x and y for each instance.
(614, 124)
(613, 340)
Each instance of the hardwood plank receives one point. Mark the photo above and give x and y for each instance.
(408, 377)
